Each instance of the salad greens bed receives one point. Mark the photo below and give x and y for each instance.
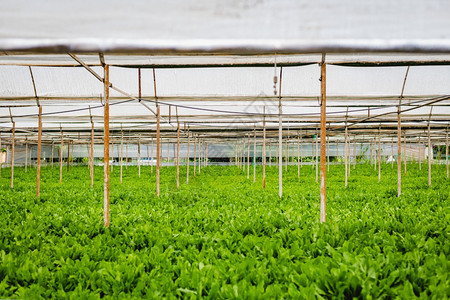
(222, 236)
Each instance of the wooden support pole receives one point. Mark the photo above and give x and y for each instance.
(254, 155)
(38, 177)
(121, 155)
(399, 138)
(106, 150)
(91, 160)
(178, 155)
(301, 152)
(264, 148)
(323, 135)
(12, 153)
(158, 149)
(139, 156)
(188, 159)
(61, 158)
(280, 140)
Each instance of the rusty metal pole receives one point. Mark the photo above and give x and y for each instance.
(323, 136)
(106, 151)
(178, 155)
(12, 153)
(38, 177)
(158, 149)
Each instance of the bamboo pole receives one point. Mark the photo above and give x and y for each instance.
(12, 153)
(139, 156)
(178, 155)
(38, 177)
(121, 155)
(280, 140)
(61, 158)
(106, 150)
(188, 159)
(264, 148)
(399, 138)
(158, 149)
(323, 134)
(254, 155)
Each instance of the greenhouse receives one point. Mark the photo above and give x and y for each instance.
(199, 149)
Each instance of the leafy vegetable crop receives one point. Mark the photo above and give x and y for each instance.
(222, 236)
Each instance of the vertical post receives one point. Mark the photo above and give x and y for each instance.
(317, 158)
(430, 148)
(420, 154)
(264, 149)
(151, 158)
(121, 155)
(139, 156)
(178, 155)
(399, 138)
(404, 156)
(188, 159)
(92, 152)
(158, 149)
(323, 134)
(53, 147)
(298, 156)
(195, 154)
(38, 177)
(254, 155)
(392, 153)
(68, 155)
(248, 155)
(106, 150)
(280, 140)
(26, 154)
(379, 155)
(61, 158)
(301, 152)
(346, 153)
(12, 152)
